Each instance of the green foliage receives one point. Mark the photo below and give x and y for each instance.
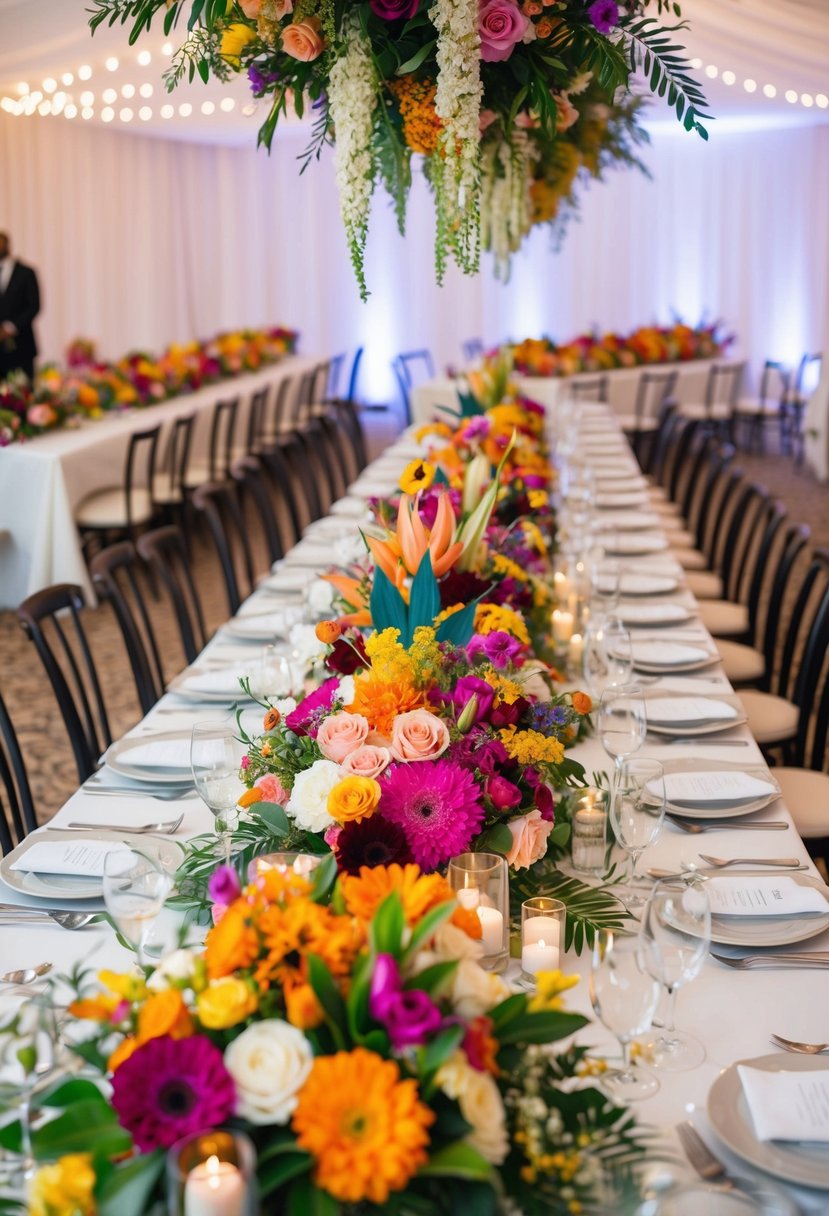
(664, 64)
(588, 908)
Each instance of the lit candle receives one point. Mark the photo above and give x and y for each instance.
(539, 956)
(562, 626)
(589, 822)
(214, 1188)
(575, 649)
(561, 586)
(541, 928)
(492, 927)
(468, 897)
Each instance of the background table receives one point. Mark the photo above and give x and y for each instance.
(42, 481)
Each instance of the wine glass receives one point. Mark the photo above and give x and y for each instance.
(622, 721)
(605, 584)
(276, 678)
(607, 658)
(216, 760)
(676, 935)
(136, 885)
(33, 1051)
(624, 997)
(637, 811)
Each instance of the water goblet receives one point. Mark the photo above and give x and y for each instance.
(637, 812)
(624, 997)
(622, 721)
(135, 888)
(607, 658)
(275, 674)
(676, 935)
(216, 759)
(605, 584)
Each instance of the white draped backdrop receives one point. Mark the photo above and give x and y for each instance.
(141, 241)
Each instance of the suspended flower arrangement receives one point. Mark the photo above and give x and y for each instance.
(508, 102)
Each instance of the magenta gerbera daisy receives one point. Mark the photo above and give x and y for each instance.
(437, 805)
(171, 1088)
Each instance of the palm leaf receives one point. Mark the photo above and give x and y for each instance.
(588, 908)
(664, 64)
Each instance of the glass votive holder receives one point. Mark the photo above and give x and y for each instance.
(480, 882)
(290, 863)
(542, 936)
(589, 832)
(212, 1174)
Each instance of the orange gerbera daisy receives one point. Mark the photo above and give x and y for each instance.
(233, 943)
(418, 892)
(364, 1126)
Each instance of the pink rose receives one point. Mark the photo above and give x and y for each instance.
(272, 789)
(342, 734)
(303, 39)
(250, 8)
(418, 735)
(501, 24)
(566, 112)
(529, 839)
(367, 761)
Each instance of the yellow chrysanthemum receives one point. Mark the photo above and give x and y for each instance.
(64, 1188)
(548, 990)
(365, 1127)
(505, 565)
(493, 618)
(531, 747)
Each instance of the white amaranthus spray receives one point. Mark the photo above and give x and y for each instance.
(506, 210)
(352, 98)
(458, 106)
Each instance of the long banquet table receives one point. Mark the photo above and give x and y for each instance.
(732, 1013)
(43, 481)
(622, 384)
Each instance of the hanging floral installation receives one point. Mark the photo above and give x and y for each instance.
(510, 103)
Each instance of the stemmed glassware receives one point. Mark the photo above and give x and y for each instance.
(622, 721)
(637, 812)
(216, 760)
(676, 936)
(33, 1052)
(136, 885)
(276, 678)
(607, 659)
(624, 997)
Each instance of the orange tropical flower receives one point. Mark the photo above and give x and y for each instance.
(364, 1126)
(401, 553)
(419, 893)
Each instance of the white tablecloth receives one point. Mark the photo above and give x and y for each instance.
(732, 1013)
(548, 390)
(42, 482)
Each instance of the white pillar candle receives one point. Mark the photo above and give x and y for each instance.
(214, 1188)
(562, 626)
(541, 928)
(561, 586)
(468, 897)
(540, 956)
(575, 649)
(492, 926)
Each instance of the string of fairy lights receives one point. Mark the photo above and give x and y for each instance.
(74, 94)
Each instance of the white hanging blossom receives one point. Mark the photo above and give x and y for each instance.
(352, 98)
(506, 208)
(458, 105)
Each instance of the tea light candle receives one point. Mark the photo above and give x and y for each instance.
(562, 626)
(575, 649)
(541, 928)
(541, 945)
(492, 926)
(214, 1188)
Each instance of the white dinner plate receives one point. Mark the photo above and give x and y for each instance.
(171, 743)
(64, 886)
(630, 521)
(210, 686)
(350, 507)
(617, 483)
(663, 715)
(621, 498)
(805, 1164)
(653, 614)
(656, 658)
(380, 487)
(632, 544)
(264, 627)
(633, 585)
(722, 808)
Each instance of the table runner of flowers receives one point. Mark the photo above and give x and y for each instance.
(594, 352)
(88, 388)
(508, 102)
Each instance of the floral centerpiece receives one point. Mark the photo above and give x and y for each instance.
(595, 353)
(373, 1063)
(505, 100)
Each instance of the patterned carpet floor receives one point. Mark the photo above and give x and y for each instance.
(30, 700)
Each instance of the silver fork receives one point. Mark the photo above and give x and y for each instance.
(164, 825)
(706, 825)
(817, 961)
(160, 795)
(700, 1156)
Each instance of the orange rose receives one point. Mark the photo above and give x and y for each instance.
(303, 39)
(272, 719)
(582, 703)
(302, 1008)
(164, 1013)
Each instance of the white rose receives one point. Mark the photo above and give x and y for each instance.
(480, 1101)
(269, 1063)
(176, 968)
(475, 991)
(306, 648)
(320, 597)
(308, 803)
(345, 690)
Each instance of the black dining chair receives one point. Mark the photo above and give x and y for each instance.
(166, 554)
(116, 573)
(411, 368)
(169, 483)
(590, 388)
(122, 510)
(16, 804)
(792, 436)
(473, 351)
(52, 621)
(653, 390)
(221, 451)
(754, 413)
(259, 492)
(219, 503)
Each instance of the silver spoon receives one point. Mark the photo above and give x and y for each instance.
(11, 914)
(804, 1049)
(722, 863)
(26, 974)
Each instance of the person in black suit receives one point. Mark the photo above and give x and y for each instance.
(19, 305)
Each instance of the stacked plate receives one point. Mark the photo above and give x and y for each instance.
(677, 715)
(653, 615)
(720, 791)
(654, 657)
(56, 865)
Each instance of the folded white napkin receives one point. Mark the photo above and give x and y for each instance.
(222, 681)
(688, 709)
(765, 895)
(649, 614)
(633, 543)
(158, 753)
(350, 507)
(726, 785)
(630, 521)
(787, 1105)
(79, 859)
(647, 584)
(668, 654)
(620, 498)
(284, 579)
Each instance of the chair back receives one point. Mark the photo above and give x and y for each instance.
(811, 686)
(774, 384)
(219, 503)
(686, 438)
(257, 411)
(412, 367)
(139, 469)
(165, 551)
(652, 391)
(279, 413)
(281, 473)
(354, 375)
(73, 676)
(177, 455)
(115, 574)
(591, 389)
(335, 368)
(793, 546)
(222, 433)
(756, 579)
(473, 350)
(655, 462)
(742, 529)
(17, 812)
(253, 482)
(703, 455)
(723, 386)
(319, 383)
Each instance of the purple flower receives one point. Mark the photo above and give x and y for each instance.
(224, 886)
(260, 80)
(306, 718)
(491, 756)
(503, 795)
(437, 806)
(508, 713)
(394, 10)
(548, 718)
(461, 696)
(604, 14)
(409, 1017)
(498, 647)
(476, 428)
(542, 794)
